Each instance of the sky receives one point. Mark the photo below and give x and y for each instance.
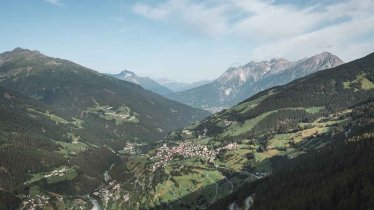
(186, 40)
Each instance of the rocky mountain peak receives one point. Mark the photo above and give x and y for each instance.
(126, 73)
(320, 61)
(20, 52)
(239, 83)
(325, 56)
(145, 82)
(252, 71)
(26, 52)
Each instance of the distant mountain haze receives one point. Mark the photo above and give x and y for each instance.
(239, 83)
(181, 86)
(145, 82)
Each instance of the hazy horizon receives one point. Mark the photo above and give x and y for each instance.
(186, 40)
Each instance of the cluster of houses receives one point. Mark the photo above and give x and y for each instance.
(79, 204)
(129, 149)
(126, 197)
(187, 150)
(227, 122)
(61, 172)
(38, 202)
(110, 112)
(108, 192)
(122, 116)
(231, 146)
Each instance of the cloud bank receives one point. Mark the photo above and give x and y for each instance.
(345, 28)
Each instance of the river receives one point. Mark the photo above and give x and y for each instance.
(106, 174)
(248, 202)
(96, 205)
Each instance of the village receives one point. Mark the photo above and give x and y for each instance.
(61, 172)
(39, 201)
(187, 150)
(131, 149)
(110, 191)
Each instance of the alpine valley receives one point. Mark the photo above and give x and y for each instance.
(295, 135)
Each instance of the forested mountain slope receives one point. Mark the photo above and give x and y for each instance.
(34, 141)
(126, 109)
(62, 125)
(339, 176)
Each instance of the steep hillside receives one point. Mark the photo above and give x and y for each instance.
(339, 176)
(237, 84)
(145, 82)
(208, 161)
(41, 149)
(62, 125)
(125, 109)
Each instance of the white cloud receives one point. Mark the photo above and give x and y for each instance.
(276, 29)
(205, 16)
(54, 2)
(342, 39)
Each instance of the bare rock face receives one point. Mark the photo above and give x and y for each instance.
(234, 79)
(315, 63)
(296, 70)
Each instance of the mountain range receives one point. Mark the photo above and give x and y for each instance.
(239, 83)
(73, 138)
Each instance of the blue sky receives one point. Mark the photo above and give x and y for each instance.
(186, 40)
